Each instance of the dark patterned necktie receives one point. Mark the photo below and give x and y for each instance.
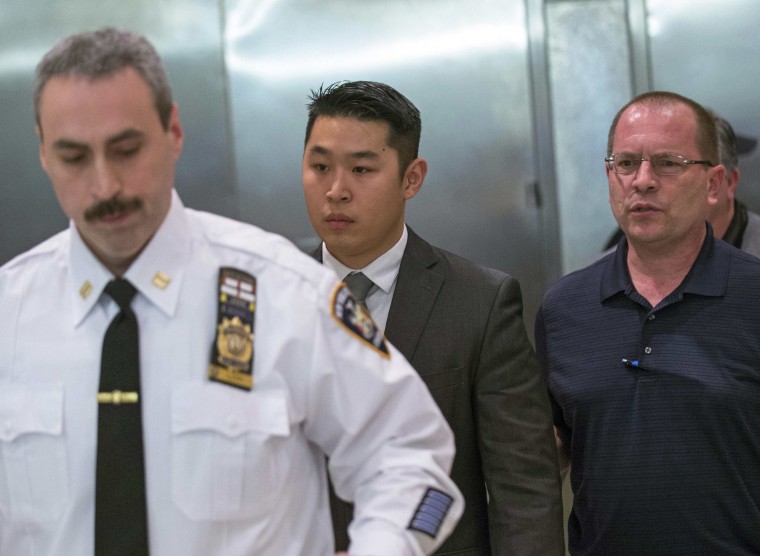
(359, 285)
(121, 524)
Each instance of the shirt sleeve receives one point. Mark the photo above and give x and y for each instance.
(390, 449)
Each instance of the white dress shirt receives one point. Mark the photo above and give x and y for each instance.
(229, 472)
(383, 271)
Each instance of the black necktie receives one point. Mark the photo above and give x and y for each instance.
(359, 285)
(121, 524)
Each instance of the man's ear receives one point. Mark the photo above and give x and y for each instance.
(413, 177)
(715, 178)
(176, 133)
(43, 163)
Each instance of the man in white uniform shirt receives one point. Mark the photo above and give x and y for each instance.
(254, 362)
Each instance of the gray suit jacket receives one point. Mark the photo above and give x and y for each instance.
(460, 325)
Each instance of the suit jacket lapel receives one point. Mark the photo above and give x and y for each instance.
(417, 287)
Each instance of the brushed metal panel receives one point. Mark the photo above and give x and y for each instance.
(708, 50)
(590, 74)
(465, 66)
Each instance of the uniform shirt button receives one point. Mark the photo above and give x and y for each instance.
(647, 350)
(651, 317)
(232, 422)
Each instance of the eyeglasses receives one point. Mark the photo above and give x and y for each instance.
(662, 164)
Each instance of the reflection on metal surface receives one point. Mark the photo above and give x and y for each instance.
(654, 26)
(459, 42)
(245, 18)
(18, 61)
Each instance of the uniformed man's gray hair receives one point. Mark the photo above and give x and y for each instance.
(101, 53)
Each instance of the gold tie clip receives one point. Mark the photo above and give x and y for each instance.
(118, 397)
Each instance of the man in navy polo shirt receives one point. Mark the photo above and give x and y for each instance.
(652, 354)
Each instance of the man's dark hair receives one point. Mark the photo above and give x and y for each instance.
(371, 101)
(707, 140)
(97, 54)
(727, 154)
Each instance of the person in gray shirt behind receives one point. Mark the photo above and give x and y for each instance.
(730, 218)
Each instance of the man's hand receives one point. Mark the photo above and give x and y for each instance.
(564, 458)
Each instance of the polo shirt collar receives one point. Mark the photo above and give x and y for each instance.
(708, 275)
(615, 277)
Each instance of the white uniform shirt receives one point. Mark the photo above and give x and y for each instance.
(229, 472)
(383, 271)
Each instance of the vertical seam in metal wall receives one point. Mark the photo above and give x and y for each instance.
(228, 105)
(638, 40)
(551, 252)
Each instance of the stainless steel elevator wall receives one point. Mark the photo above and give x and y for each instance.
(515, 95)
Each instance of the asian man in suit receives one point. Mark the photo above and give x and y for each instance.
(459, 324)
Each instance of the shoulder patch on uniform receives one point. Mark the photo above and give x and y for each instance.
(431, 512)
(356, 319)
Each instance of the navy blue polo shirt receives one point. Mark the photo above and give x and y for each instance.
(665, 449)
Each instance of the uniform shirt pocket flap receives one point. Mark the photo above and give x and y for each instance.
(228, 411)
(30, 410)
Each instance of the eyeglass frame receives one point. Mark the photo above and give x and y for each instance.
(683, 162)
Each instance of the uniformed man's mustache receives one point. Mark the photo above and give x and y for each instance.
(112, 207)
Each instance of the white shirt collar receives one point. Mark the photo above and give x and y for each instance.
(88, 276)
(382, 271)
(157, 272)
